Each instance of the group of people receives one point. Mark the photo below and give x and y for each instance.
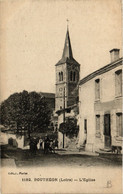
(50, 145)
(46, 144)
(33, 145)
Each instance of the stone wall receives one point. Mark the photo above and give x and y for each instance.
(17, 141)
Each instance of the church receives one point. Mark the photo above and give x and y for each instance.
(67, 79)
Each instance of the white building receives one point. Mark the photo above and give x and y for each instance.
(100, 96)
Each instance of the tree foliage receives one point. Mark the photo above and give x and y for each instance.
(30, 111)
(69, 128)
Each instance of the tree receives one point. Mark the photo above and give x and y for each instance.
(30, 111)
(69, 127)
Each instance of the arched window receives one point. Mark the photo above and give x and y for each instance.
(71, 76)
(61, 76)
(74, 76)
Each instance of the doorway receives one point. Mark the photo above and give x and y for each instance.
(107, 130)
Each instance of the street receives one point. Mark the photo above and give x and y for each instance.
(23, 158)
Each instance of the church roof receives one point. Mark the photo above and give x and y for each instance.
(67, 52)
(67, 55)
(67, 60)
(47, 95)
(67, 109)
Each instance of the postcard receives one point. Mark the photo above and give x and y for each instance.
(61, 96)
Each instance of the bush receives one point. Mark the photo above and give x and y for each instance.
(69, 128)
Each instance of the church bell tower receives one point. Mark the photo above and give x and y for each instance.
(67, 77)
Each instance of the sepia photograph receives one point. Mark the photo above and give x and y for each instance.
(61, 96)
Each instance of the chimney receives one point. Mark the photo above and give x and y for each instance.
(114, 54)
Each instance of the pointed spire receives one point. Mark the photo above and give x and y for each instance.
(67, 55)
(67, 52)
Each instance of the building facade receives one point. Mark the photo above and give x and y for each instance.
(100, 108)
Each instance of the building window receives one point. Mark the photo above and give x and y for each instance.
(98, 125)
(71, 76)
(85, 125)
(118, 83)
(97, 89)
(74, 76)
(119, 130)
(61, 76)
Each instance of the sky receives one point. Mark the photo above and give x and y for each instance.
(33, 35)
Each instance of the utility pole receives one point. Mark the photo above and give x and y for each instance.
(63, 112)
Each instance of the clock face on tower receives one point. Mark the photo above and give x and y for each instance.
(60, 89)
